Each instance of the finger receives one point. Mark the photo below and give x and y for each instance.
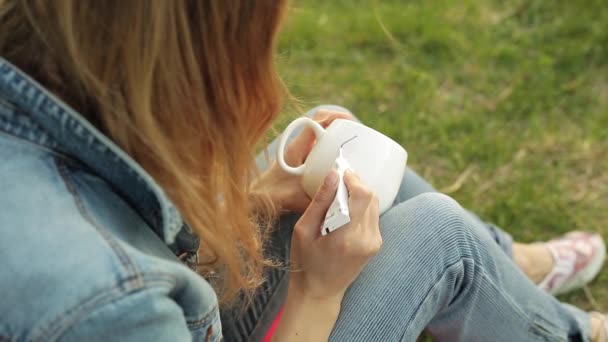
(359, 195)
(350, 176)
(355, 186)
(315, 213)
(369, 229)
(374, 205)
(325, 118)
(323, 114)
(302, 144)
(376, 234)
(300, 147)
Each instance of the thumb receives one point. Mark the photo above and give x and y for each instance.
(315, 213)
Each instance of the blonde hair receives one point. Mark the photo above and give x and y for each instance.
(187, 88)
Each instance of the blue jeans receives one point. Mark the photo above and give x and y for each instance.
(441, 269)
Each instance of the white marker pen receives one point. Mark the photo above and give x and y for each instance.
(338, 214)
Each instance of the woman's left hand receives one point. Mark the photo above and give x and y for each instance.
(285, 189)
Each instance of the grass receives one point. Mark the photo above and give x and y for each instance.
(501, 104)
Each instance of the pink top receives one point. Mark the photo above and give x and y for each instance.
(273, 327)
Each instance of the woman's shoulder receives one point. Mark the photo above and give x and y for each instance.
(73, 251)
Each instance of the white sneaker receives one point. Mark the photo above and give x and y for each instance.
(577, 258)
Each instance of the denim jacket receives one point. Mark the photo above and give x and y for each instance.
(89, 243)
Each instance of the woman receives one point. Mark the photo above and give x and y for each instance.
(123, 120)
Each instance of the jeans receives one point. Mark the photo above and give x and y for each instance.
(440, 269)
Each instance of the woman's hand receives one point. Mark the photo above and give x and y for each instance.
(325, 266)
(286, 189)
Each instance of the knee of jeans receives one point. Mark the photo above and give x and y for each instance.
(436, 207)
(437, 220)
(334, 108)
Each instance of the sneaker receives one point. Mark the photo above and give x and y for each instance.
(577, 259)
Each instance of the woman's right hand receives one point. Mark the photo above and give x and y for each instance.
(323, 267)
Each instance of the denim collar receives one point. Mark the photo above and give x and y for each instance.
(67, 132)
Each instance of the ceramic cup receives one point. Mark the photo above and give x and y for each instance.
(378, 160)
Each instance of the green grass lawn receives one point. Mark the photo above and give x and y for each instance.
(501, 104)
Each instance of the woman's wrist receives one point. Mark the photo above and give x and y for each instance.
(296, 295)
(298, 291)
(307, 317)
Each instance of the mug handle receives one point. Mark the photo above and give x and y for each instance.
(318, 130)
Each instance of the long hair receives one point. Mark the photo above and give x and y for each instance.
(186, 87)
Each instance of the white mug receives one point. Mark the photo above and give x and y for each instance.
(375, 158)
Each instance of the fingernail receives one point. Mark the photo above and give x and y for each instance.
(331, 179)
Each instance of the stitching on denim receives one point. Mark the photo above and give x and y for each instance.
(522, 314)
(13, 107)
(69, 317)
(57, 326)
(110, 150)
(133, 278)
(461, 258)
(130, 268)
(159, 277)
(480, 272)
(542, 328)
(90, 305)
(95, 140)
(426, 296)
(34, 145)
(33, 126)
(164, 278)
(195, 324)
(10, 105)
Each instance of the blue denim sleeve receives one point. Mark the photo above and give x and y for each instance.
(145, 315)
